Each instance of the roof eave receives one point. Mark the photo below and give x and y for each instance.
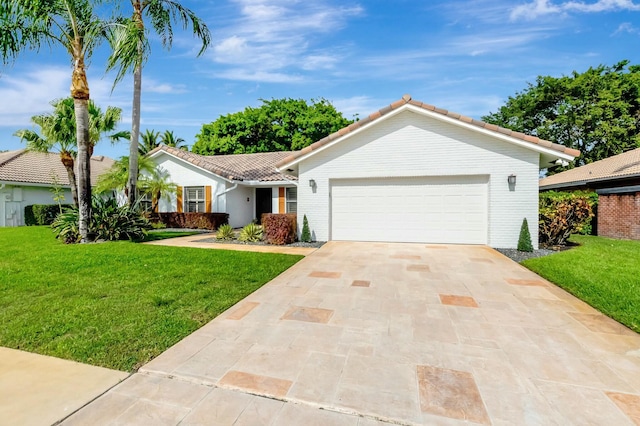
(162, 151)
(590, 181)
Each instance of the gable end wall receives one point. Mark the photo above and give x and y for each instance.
(412, 145)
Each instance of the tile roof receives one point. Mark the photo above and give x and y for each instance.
(406, 100)
(240, 167)
(622, 165)
(22, 166)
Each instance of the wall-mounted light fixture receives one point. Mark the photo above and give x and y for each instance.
(312, 183)
(511, 179)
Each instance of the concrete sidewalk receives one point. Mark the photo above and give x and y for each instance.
(41, 390)
(195, 241)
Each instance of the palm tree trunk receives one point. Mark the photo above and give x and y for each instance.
(80, 95)
(135, 133)
(67, 161)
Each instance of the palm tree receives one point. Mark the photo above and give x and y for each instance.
(57, 133)
(169, 139)
(131, 48)
(149, 140)
(27, 24)
(117, 177)
(156, 185)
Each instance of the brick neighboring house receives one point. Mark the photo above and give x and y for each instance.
(617, 181)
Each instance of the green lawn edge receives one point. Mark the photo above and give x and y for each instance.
(603, 272)
(117, 304)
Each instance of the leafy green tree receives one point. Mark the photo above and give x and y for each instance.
(597, 112)
(131, 48)
(58, 133)
(277, 125)
(72, 24)
(149, 140)
(170, 139)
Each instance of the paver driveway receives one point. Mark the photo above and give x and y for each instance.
(361, 333)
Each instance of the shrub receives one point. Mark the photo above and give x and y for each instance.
(42, 214)
(225, 232)
(563, 214)
(210, 221)
(108, 222)
(279, 229)
(251, 233)
(524, 241)
(306, 234)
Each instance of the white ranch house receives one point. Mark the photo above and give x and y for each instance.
(409, 172)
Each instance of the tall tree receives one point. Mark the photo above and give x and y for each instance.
(72, 24)
(597, 111)
(149, 140)
(58, 133)
(131, 48)
(277, 125)
(169, 139)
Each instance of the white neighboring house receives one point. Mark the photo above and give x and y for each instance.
(412, 172)
(245, 185)
(27, 178)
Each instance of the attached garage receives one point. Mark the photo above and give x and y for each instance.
(411, 172)
(444, 209)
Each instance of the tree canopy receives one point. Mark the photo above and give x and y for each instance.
(597, 111)
(277, 125)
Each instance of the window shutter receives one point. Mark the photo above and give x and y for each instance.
(179, 200)
(207, 199)
(281, 207)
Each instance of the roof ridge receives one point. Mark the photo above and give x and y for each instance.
(18, 153)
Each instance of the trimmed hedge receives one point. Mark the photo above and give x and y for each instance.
(210, 221)
(279, 229)
(42, 214)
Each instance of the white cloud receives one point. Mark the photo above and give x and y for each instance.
(277, 39)
(150, 86)
(361, 106)
(537, 8)
(626, 27)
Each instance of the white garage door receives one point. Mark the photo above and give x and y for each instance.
(448, 209)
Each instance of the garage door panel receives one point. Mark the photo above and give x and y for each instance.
(425, 209)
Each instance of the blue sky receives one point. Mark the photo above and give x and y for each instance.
(466, 56)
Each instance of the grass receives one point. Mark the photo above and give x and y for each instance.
(116, 305)
(603, 272)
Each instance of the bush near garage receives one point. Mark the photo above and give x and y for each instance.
(279, 229)
(562, 214)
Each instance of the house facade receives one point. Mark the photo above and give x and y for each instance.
(409, 172)
(243, 185)
(617, 181)
(28, 177)
(414, 173)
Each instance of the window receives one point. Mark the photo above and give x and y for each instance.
(291, 196)
(194, 199)
(146, 202)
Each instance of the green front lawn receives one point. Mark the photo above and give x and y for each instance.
(603, 272)
(116, 305)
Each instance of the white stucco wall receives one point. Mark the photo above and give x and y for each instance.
(410, 144)
(224, 198)
(14, 198)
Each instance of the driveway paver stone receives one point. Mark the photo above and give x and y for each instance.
(363, 334)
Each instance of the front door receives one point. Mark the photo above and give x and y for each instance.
(263, 202)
